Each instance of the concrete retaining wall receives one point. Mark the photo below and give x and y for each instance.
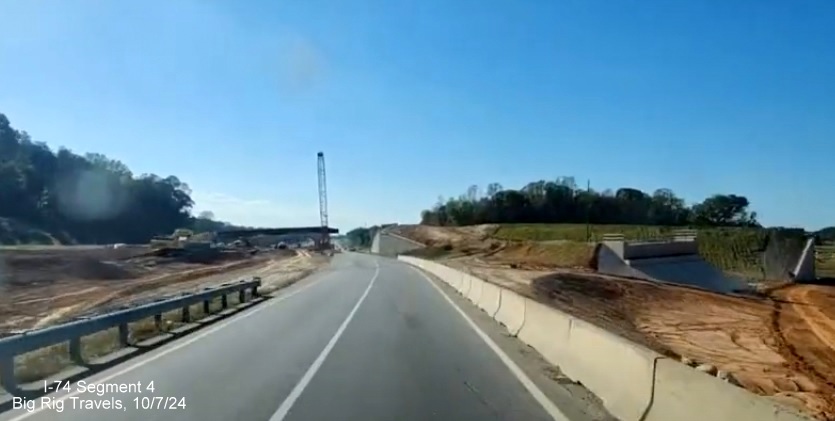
(386, 244)
(634, 383)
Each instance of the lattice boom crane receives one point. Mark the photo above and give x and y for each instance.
(324, 242)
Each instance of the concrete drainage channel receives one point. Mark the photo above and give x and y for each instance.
(633, 382)
(64, 342)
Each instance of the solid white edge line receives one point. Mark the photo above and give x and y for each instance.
(285, 407)
(520, 375)
(174, 347)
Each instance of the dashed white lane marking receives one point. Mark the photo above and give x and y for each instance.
(529, 385)
(285, 407)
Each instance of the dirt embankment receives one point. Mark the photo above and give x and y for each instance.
(780, 347)
(779, 344)
(44, 287)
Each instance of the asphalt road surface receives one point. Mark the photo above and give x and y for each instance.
(368, 338)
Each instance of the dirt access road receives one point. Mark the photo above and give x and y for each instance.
(779, 344)
(47, 286)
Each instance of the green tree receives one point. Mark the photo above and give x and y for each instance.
(560, 201)
(88, 198)
(724, 210)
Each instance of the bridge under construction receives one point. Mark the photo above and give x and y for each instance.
(320, 233)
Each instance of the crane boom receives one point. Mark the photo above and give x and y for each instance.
(324, 242)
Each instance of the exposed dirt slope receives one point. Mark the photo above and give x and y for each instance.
(456, 236)
(780, 344)
(44, 287)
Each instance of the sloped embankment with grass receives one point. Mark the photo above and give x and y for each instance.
(825, 261)
(750, 252)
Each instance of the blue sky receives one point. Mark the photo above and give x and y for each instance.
(410, 100)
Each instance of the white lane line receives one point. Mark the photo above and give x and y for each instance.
(175, 346)
(520, 375)
(285, 407)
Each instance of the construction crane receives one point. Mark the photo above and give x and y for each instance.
(324, 241)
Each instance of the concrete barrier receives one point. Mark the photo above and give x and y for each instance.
(464, 286)
(684, 394)
(476, 285)
(411, 260)
(618, 371)
(455, 280)
(459, 282)
(491, 296)
(511, 312)
(634, 383)
(546, 331)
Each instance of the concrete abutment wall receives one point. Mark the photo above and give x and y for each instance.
(387, 244)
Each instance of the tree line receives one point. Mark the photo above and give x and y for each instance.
(561, 201)
(89, 198)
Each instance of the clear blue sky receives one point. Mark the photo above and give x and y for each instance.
(410, 100)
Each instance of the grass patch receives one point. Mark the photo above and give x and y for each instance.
(566, 254)
(579, 232)
(737, 250)
(825, 261)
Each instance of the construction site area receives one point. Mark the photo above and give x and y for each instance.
(774, 338)
(42, 286)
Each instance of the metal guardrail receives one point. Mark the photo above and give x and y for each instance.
(685, 235)
(613, 237)
(72, 332)
(676, 235)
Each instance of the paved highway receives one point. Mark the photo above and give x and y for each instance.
(368, 338)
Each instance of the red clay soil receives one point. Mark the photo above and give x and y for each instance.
(778, 347)
(803, 319)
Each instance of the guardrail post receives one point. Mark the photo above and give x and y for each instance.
(75, 351)
(7, 375)
(206, 307)
(74, 332)
(242, 296)
(123, 334)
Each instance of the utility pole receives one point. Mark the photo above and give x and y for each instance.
(588, 210)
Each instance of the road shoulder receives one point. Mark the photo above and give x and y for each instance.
(574, 400)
